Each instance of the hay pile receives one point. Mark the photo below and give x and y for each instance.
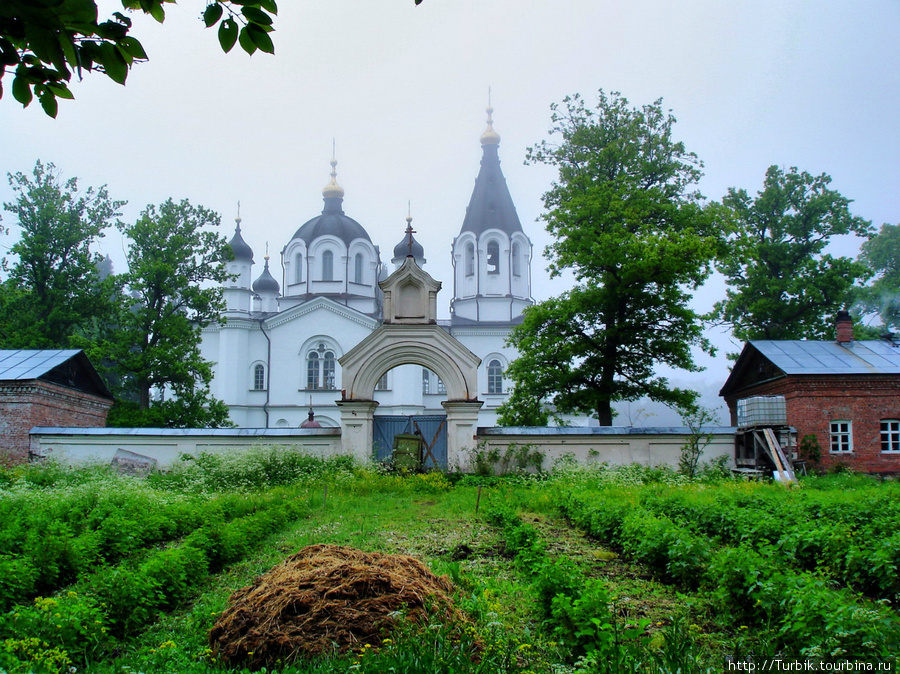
(322, 599)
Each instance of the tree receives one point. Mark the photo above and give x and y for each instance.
(781, 282)
(171, 256)
(881, 253)
(54, 294)
(43, 41)
(637, 240)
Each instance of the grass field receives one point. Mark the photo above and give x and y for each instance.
(576, 570)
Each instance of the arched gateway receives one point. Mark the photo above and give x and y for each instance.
(410, 335)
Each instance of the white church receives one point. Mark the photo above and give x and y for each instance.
(276, 353)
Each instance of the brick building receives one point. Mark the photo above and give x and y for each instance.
(47, 388)
(846, 393)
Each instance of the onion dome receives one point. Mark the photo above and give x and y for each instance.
(266, 283)
(332, 222)
(241, 250)
(408, 245)
(490, 137)
(311, 421)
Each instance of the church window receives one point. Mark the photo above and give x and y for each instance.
(516, 259)
(441, 389)
(426, 381)
(470, 259)
(298, 268)
(382, 383)
(259, 377)
(358, 268)
(493, 257)
(327, 266)
(320, 369)
(495, 377)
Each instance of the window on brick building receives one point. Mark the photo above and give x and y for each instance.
(890, 435)
(841, 437)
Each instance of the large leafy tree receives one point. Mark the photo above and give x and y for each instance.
(630, 227)
(176, 265)
(881, 253)
(44, 42)
(782, 284)
(55, 296)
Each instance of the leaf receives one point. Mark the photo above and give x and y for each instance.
(246, 40)
(212, 14)
(114, 64)
(49, 103)
(269, 6)
(157, 11)
(21, 90)
(60, 90)
(228, 34)
(261, 39)
(256, 15)
(133, 47)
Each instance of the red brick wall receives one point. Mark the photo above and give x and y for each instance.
(813, 402)
(24, 405)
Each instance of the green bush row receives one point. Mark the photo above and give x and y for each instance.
(117, 601)
(752, 586)
(818, 531)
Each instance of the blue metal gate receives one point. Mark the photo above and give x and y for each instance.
(432, 428)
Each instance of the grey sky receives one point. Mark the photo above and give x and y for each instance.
(402, 90)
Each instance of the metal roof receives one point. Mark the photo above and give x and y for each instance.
(21, 364)
(808, 357)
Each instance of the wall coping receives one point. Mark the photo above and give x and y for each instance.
(189, 432)
(601, 430)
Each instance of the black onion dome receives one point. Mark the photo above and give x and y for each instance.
(266, 282)
(402, 249)
(332, 222)
(241, 250)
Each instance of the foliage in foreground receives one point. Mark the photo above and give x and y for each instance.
(755, 568)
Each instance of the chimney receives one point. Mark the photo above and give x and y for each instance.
(844, 327)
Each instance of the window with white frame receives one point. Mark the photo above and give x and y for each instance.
(441, 389)
(426, 381)
(320, 368)
(890, 435)
(841, 437)
(259, 377)
(470, 259)
(358, 268)
(516, 259)
(327, 266)
(495, 376)
(298, 268)
(382, 383)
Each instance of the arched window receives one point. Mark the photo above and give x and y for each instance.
(259, 377)
(327, 266)
(495, 376)
(426, 381)
(358, 268)
(320, 369)
(493, 257)
(312, 370)
(382, 383)
(470, 259)
(516, 261)
(298, 268)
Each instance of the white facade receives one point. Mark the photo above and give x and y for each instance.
(276, 353)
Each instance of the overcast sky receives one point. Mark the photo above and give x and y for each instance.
(402, 89)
